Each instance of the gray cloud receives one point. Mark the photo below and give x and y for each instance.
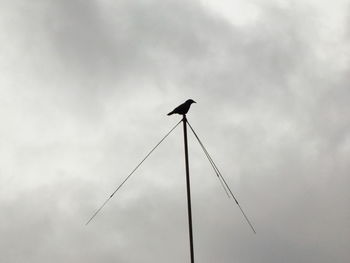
(84, 95)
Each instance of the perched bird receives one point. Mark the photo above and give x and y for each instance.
(183, 108)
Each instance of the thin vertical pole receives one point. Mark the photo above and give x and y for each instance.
(184, 120)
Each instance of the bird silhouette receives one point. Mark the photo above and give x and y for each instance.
(183, 108)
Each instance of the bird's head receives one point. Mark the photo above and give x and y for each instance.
(190, 101)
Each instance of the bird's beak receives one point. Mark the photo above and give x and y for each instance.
(194, 102)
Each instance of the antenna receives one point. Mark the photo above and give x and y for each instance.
(182, 110)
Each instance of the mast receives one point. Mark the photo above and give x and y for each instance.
(188, 185)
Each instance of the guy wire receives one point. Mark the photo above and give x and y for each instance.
(105, 202)
(218, 173)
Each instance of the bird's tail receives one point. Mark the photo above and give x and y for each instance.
(170, 113)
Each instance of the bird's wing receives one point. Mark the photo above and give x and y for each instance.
(179, 108)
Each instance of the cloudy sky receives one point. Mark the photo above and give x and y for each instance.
(84, 91)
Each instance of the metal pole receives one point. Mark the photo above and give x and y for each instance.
(184, 120)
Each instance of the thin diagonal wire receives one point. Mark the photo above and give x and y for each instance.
(220, 175)
(132, 172)
(217, 172)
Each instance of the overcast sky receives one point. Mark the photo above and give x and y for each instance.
(85, 86)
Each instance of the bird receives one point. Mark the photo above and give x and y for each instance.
(183, 108)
